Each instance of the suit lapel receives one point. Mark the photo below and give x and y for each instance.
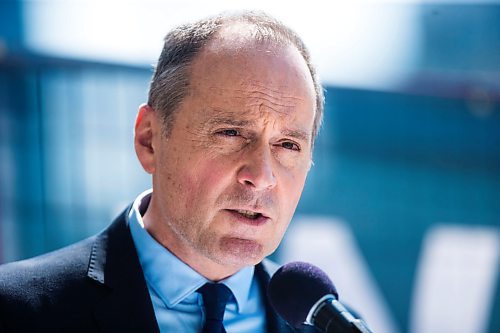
(275, 324)
(126, 305)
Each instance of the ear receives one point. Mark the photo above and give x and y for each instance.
(146, 125)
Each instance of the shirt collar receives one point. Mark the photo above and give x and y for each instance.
(167, 275)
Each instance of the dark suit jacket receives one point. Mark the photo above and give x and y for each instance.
(96, 285)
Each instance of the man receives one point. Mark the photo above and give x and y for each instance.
(227, 135)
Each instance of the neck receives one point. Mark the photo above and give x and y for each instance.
(163, 234)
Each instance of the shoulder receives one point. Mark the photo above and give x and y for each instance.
(51, 266)
(58, 269)
(61, 290)
(29, 286)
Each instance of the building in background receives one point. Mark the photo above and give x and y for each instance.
(402, 206)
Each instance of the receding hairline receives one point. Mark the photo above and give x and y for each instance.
(184, 44)
(248, 32)
(227, 42)
(236, 36)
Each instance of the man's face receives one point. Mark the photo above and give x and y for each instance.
(227, 179)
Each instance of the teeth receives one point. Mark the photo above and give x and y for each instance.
(248, 213)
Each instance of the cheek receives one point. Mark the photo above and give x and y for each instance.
(205, 180)
(175, 180)
(290, 193)
(293, 182)
(297, 188)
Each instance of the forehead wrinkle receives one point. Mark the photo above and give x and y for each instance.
(257, 87)
(241, 94)
(258, 105)
(257, 90)
(280, 100)
(221, 117)
(253, 103)
(261, 102)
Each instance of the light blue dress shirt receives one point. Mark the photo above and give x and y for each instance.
(172, 285)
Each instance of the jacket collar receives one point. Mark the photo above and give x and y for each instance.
(126, 305)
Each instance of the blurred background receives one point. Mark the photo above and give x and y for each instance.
(402, 206)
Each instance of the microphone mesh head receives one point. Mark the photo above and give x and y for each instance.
(295, 288)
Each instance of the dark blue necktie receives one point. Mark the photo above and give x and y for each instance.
(215, 297)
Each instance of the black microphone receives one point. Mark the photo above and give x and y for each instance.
(303, 294)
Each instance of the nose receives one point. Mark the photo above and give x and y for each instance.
(257, 170)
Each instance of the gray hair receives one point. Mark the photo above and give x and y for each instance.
(170, 82)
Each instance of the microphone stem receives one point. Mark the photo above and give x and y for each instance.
(332, 317)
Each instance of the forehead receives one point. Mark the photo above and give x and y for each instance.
(233, 68)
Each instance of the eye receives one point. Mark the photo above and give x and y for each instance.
(290, 145)
(229, 132)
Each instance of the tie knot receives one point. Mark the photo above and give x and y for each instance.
(215, 297)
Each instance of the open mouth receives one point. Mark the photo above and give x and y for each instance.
(248, 214)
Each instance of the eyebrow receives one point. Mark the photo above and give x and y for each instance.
(298, 134)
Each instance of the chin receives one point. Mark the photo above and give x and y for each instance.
(241, 252)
